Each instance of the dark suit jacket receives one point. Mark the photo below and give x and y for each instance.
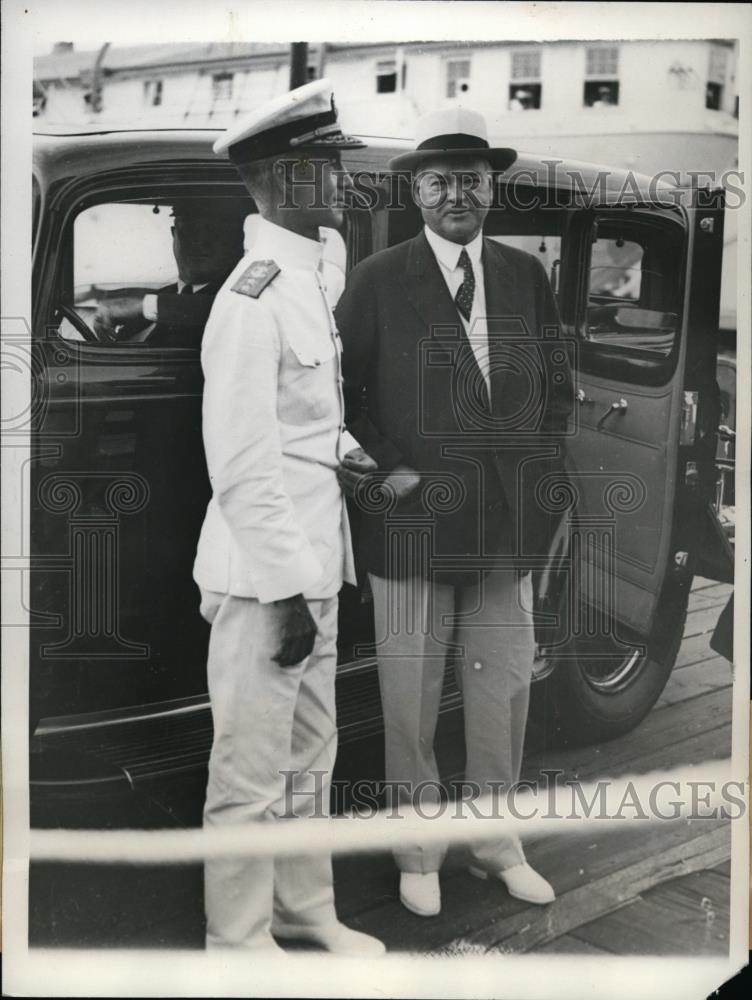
(181, 318)
(415, 396)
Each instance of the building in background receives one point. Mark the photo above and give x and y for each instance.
(646, 105)
(576, 99)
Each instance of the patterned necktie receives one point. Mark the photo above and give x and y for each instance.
(466, 292)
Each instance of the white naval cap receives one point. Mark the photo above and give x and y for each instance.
(304, 118)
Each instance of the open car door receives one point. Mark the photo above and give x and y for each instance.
(644, 283)
(118, 478)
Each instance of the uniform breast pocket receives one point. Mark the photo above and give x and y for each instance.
(308, 383)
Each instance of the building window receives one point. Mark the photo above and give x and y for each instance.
(153, 92)
(716, 79)
(222, 86)
(312, 73)
(525, 89)
(601, 77)
(386, 76)
(713, 96)
(457, 77)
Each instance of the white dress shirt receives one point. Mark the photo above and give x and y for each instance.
(273, 423)
(448, 254)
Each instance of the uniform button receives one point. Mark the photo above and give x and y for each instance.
(477, 665)
(316, 361)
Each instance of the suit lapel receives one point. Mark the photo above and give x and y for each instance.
(427, 291)
(425, 286)
(501, 294)
(500, 288)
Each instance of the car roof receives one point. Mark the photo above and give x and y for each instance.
(58, 155)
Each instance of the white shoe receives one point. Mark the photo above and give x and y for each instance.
(267, 948)
(420, 893)
(335, 938)
(522, 882)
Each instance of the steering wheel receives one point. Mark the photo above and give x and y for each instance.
(81, 326)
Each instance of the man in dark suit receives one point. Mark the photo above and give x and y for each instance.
(207, 241)
(458, 388)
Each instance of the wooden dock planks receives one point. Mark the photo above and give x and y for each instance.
(632, 889)
(688, 915)
(628, 876)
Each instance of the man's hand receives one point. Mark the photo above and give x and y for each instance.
(298, 631)
(355, 465)
(119, 317)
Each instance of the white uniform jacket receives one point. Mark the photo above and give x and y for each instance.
(273, 425)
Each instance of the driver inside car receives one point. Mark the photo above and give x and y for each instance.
(207, 241)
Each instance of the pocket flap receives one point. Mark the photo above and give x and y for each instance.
(309, 354)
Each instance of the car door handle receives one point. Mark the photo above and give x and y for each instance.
(584, 400)
(618, 406)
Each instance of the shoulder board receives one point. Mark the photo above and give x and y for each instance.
(256, 277)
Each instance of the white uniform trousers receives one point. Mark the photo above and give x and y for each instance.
(267, 720)
(492, 624)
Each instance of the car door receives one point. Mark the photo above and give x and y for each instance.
(645, 281)
(118, 477)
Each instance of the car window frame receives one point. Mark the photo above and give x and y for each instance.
(103, 196)
(615, 362)
(36, 206)
(53, 259)
(58, 276)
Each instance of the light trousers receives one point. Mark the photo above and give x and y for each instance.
(268, 720)
(491, 622)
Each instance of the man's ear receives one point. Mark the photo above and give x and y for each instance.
(490, 176)
(280, 180)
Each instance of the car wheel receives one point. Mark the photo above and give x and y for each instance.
(605, 688)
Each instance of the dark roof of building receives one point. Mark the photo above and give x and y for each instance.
(69, 63)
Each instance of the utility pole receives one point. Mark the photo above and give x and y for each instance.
(321, 61)
(298, 64)
(93, 93)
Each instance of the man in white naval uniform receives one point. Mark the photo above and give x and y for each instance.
(275, 544)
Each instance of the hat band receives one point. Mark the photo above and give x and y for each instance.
(278, 139)
(453, 140)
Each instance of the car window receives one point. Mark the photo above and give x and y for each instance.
(122, 244)
(547, 248)
(118, 248)
(634, 287)
(132, 261)
(726, 378)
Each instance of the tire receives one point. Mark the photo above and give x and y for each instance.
(602, 691)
